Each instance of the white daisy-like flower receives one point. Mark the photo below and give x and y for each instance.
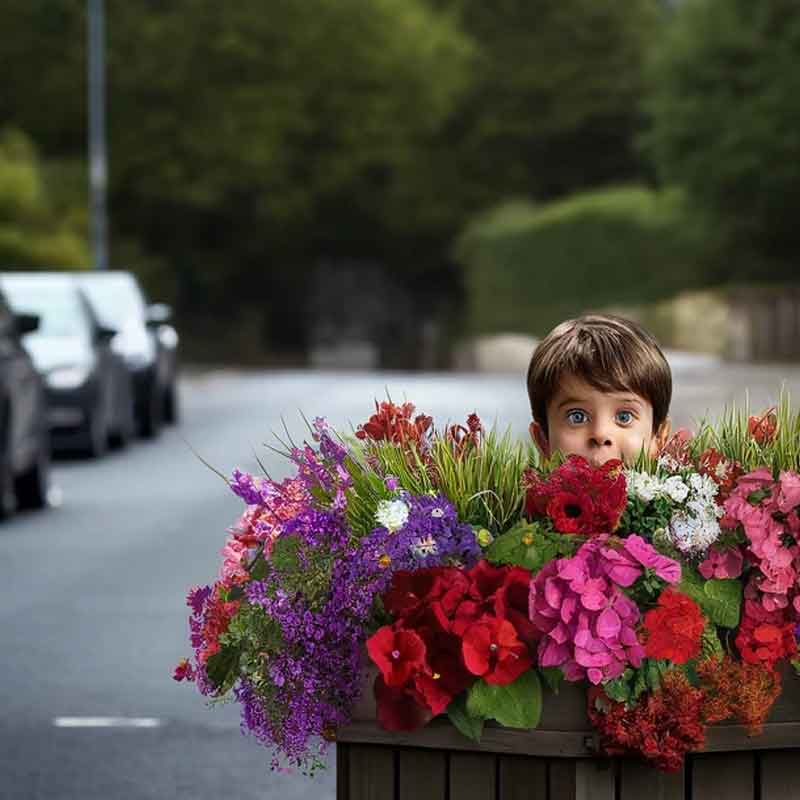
(392, 514)
(425, 547)
(675, 488)
(437, 512)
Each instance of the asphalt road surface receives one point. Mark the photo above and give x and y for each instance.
(92, 618)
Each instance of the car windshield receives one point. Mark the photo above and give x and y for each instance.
(115, 300)
(59, 308)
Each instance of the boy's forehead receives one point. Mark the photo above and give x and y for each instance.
(572, 388)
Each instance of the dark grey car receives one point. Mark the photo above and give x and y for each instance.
(146, 341)
(24, 441)
(87, 386)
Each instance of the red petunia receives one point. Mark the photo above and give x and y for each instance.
(492, 650)
(511, 602)
(397, 707)
(409, 590)
(397, 653)
(578, 497)
(674, 628)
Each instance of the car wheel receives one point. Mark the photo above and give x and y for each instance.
(7, 498)
(153, 414)
(125, 432)
(171, 405)
(32, 485)
(96, 436)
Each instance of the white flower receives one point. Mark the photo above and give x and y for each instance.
(392, 514)
(642, 485)
(675, 488)
(437, 512)
(425, 547)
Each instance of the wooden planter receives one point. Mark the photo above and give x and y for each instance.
(559, 760)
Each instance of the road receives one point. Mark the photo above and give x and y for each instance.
(92, 618)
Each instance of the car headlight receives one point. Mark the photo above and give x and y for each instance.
(68, 377)
(137, 350)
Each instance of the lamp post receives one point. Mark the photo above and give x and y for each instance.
(98, 174)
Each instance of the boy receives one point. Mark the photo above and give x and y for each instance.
(599, 387)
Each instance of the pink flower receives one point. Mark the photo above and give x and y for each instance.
(627, 558)
(233, 555)
(788, 497)
(722, 562)
(587, 624)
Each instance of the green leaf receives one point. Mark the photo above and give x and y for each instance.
(529, 545)
(469, 725)
(720, 599)
(796, 664)
(553, 677)
(516, 705)
(221, 664)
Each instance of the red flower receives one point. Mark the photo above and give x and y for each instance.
(445, 675)
(578, 497)
(184, 671)
(485, 580)
(511, 602)
(398, 654)
(662, 726)
(763, 428)
(674, 628)
(765, 642)
(492, 651)
(392, 423)
(398, 709)
(723, 471)
(409, 590)
(676, 450)
(463, 438)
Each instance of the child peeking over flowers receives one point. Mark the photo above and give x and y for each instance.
(599, 387)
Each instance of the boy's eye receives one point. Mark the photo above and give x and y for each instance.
(577, 417)
(625, 417)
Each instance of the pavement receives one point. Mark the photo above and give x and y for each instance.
(93, 617)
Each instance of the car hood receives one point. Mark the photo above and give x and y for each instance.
(49, 352)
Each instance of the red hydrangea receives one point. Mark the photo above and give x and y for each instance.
(578, 497)
(765, 637)
(673, 628)
(662, 727)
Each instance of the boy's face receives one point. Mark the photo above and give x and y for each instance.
(598, 425)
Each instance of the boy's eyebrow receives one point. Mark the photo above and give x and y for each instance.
(568, 401)
(629, 399)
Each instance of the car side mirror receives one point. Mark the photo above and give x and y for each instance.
(104, 334)
(158, 314)
(26, 323)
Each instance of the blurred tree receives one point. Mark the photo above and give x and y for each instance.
(554, 102)
(724, 107)
(37, 227)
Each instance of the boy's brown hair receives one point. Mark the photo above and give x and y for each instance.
(611, 353)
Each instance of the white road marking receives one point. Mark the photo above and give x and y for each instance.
(106, 722)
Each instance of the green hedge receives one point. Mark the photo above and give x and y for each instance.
(43, 219)
(528, 267)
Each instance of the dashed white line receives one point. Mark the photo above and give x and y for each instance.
(106, 722)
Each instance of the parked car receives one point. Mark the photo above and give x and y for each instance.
(24, 441)
(88, 388)
(146, 341)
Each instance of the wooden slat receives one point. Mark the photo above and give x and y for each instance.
(780, 775)
(342, 771)
(595, 779)
(422, 775)
(472, 776)
(371, 773)
(638, 780)
(522, 778)
(723, 776)
(561, 779)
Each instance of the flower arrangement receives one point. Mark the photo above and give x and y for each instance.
(474, 580)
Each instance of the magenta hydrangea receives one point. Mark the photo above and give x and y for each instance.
(588, 623)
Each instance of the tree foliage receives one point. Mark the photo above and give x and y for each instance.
(723, 101)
